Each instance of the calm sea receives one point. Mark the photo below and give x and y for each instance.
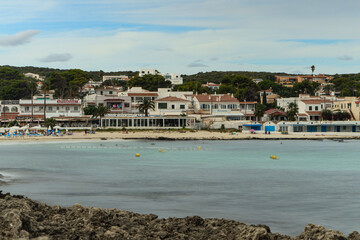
(312, 181)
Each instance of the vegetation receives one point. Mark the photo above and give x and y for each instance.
(146, 105)
(336, 115)
(292, 112)
(68, 84)
(149, 82)
(50, 122)
(14, 85)
(259, 111)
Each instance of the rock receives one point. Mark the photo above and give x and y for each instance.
(22, 218)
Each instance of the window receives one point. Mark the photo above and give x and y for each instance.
(172, 106)
(58, 108)
(76, 108)
(127, 105)
(27, 109)
(310, 108)
(316, 108)
(50, 108)
(41, 108)
(204, 106)
(223, 106)
(162, 105)
(182, 106)
(110, 92)
(67, 108)
(101, 92)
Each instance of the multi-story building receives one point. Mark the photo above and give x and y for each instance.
(289, 81)
(174, 78)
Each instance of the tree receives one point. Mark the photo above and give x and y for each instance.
(312, 69)
(146, 105)
(326, 114)
(149, 82)
(264, 99)
(101, 111)
(292, 112)
(50, 122)
(327, 88)
(259, 110)
(90, 110)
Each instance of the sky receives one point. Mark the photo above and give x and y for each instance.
(182, 36)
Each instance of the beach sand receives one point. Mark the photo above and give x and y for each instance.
(185, 135)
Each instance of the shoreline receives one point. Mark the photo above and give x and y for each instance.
(23, 218)
(184, 135)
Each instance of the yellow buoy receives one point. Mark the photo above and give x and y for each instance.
(137, 155)
(198, 148)
(162, 150)
(274, 157)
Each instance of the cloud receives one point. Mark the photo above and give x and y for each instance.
(19, 38)
(197, 64)
(62, 57)
(345, 58)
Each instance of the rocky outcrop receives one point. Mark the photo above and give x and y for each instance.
(23, 218)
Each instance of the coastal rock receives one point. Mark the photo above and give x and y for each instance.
(318, 232)
(23, 218)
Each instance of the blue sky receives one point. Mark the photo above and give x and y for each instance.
(182, 36)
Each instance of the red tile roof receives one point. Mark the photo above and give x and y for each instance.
(314, 113)
(316, 101)
(114, 100)
(216, 98)
(171, 99)
(143, 94)
(275, 112)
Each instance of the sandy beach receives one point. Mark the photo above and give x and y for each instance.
(185, 135)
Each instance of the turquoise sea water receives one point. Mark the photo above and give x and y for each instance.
(313, 181)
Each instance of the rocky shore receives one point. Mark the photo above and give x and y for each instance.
(23, 218)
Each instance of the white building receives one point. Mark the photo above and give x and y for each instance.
(174, 78)
(143, 72)
(34, 75)
(119, 77)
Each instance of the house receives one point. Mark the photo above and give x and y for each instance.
(289, 81)
(174, 78)
(274, 115)
(171, 106)
(212, 86)
(118, 77)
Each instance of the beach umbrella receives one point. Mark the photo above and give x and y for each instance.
(252, 130)
(27, 131)
(24, 127)
(57, 127)
(37, 127)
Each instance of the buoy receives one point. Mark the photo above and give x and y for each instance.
(137, 155)
(198, 148)
(274, 157)
(162, 150)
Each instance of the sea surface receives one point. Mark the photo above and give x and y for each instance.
(311, 182)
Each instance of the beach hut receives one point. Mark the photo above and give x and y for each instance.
(269, 126)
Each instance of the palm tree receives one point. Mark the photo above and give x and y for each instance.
(50, 122)
(146, 105)
(100, 111)
(312, 69)
(46, 86)
(292, 111)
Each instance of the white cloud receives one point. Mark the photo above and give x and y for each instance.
(19, 38)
